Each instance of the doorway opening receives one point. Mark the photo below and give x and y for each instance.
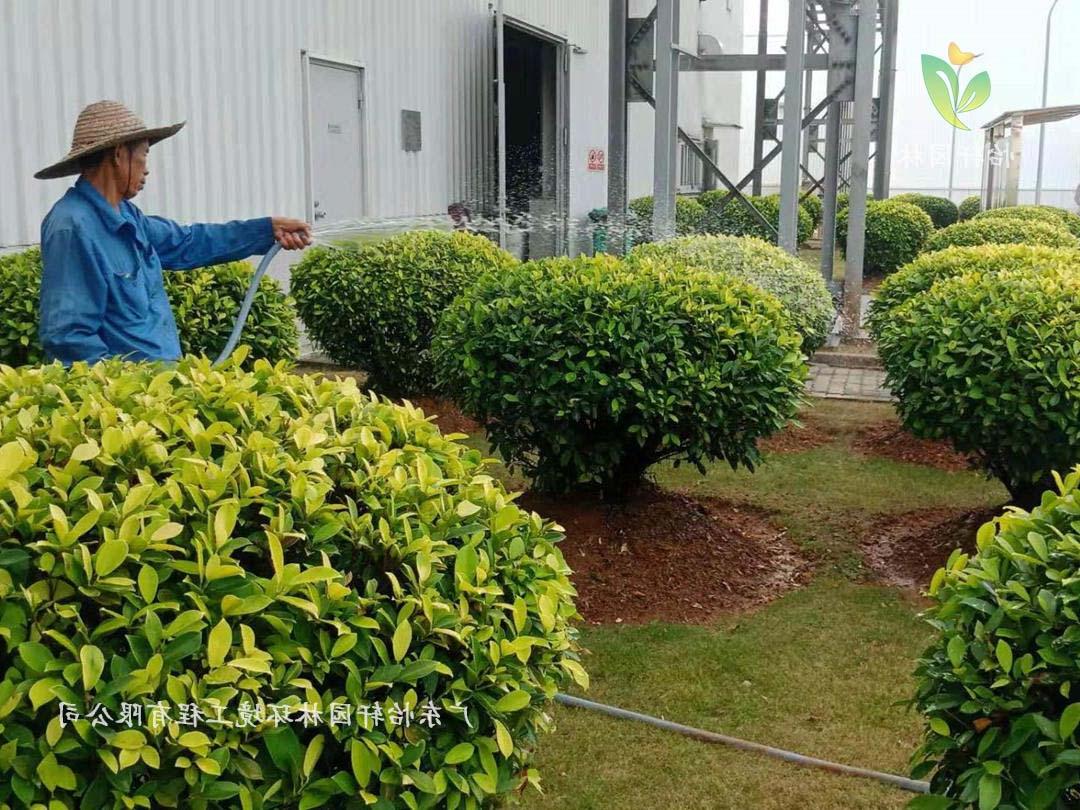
(535, 140)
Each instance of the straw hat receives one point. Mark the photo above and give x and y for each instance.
(102, 125)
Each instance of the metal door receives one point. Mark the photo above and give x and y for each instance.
(335, 107)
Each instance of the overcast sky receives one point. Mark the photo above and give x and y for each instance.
(1010, 34)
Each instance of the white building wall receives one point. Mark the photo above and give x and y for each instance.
(232, 70)
(703, 97)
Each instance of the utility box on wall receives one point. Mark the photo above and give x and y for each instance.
(410, 130)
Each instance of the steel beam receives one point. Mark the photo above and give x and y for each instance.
(791, 170)
(759, 123)
(616, 157)
(887, 92)
(860, 159)
(666, 118)
(831, 183)
(751, 61)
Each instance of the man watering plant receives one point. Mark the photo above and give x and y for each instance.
(102, 291)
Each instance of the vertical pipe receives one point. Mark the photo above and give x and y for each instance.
(759, 124)
(832, 179)
(665, 140)
(860, 159)
(616, 193)
(500, 90)
(790, 170)
(886, 113)
(1046, 87)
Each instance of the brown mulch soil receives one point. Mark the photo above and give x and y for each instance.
(669, 557)
(889, 440)
(797, 438)
(906, 550)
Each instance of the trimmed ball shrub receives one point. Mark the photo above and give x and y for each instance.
(20, 291)
(736, 220)
(895, 233)
(997, 685)
(250, 551)
(588, 371)
(991, 363)
(929, 268)
(1036, 213)
(943, 211)
(375, 306)
(688, 216)
(205, 303)
(796, 285)
(970, 207)
(1001, 231)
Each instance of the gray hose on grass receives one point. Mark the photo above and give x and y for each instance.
(777, 753)
(245, 307)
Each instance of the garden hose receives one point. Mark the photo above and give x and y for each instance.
(613, 711)
(777, 753)
(245, 307)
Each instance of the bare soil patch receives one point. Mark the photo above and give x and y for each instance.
(888, 439)
(668, 557)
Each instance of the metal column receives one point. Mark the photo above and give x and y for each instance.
(887, 91)
(790, 163)
(832, 178)
(665, 140)
(500, 135)
(759, 124)
(616, 166)
(860, 159)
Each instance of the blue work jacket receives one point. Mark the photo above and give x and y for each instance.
(102, 289)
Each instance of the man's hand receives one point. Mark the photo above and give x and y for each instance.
(291, 234)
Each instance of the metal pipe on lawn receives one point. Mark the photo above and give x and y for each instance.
(245, 307)
(777, 753)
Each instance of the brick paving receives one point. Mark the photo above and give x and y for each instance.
(835, 382)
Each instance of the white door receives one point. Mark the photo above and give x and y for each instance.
(337, 170)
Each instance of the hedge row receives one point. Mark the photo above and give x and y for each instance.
(896, 232)
(204, 302)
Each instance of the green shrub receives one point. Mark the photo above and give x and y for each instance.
(895, 233)
(205, 303)
(688, 216)
(736, 220)
(929, 268)
(814, 207)
(375, 306)
(997, 685)
(970, 207)
(798, 287)
(991, 363)
(1036, 213)
(20, 290)
(1001, 231)
(222, 539)
(588, 371)
(943, 211)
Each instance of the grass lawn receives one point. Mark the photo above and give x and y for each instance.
(818, 671)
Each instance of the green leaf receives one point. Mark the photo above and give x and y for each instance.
(976, 93)
(513, 701)
(54, 775)
(148, 583)
(314, 751)
(957, 648)
(1070, 719)
(220, 643)
(989, 792)
(1004, 655)
(363, 762)
(504, 740)
(110, 556)
(402, 639)
(284, 749)
(93, 664)
(939, 726)
(462, 752)
(35, 655)
(943, 86)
